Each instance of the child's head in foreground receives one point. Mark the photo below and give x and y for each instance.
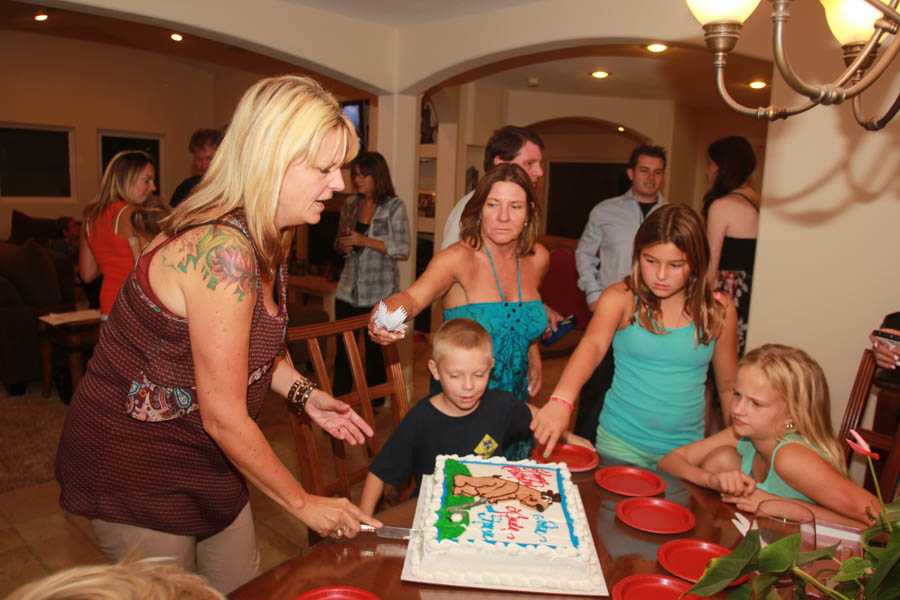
(792, 387)
(461, 359)
(149, 579)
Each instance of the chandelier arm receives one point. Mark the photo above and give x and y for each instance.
(780, 16)
(768, 113)
(875, 71)
(872, 123)
(888, 10)
(869, 50)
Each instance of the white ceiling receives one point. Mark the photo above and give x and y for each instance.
(408, 13)
(683, 73)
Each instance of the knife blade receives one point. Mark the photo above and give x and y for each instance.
(394, 533)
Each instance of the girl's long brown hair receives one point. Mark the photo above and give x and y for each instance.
(679, 225)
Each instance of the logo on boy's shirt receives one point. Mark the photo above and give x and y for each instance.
(486, 447)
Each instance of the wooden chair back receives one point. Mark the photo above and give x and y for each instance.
(309, 451)
(887, 445)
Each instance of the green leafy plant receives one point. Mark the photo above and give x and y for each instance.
(874, 576)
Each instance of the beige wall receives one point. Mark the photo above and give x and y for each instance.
(93, 86)
(826, 269)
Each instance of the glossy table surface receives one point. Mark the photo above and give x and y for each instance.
(374, 564)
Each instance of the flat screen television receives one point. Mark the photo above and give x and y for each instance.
(358, 113)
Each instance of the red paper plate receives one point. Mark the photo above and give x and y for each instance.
(688, 558)
(651, 587)
(655, 515)
(577, 458)
(630, 481)
(337, 592)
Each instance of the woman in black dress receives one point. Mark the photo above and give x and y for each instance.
(731, 208)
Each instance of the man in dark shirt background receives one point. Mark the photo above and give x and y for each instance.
(203, 146)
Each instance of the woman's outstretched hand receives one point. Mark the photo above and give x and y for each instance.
(337, 418)
(382, 336)
(334, 517)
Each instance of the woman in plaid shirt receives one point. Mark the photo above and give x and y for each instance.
(373, 235)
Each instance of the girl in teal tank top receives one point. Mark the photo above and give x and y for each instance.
(780, 444)
(666, 327)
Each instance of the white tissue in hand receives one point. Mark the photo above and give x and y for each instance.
(392, 321)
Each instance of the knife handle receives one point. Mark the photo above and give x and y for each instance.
(367, 528)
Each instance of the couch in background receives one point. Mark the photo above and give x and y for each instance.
(34, 280)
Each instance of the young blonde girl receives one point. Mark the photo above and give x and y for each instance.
(666, 326)
(780, 443)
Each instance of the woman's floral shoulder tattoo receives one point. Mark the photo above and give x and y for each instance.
(222, 257)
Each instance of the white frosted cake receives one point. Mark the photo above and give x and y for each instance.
(510, 524)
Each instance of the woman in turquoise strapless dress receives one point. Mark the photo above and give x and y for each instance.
(492, 276)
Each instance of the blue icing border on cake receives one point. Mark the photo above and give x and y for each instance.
(559, 486)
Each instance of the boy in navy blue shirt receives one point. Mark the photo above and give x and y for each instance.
(465, 418)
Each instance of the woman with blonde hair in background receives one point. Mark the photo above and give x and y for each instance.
(161, 435)
(109, 241)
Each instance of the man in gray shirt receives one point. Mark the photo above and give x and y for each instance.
(603, 257)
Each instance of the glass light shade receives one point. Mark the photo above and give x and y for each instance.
(716, 11)
(851, 21)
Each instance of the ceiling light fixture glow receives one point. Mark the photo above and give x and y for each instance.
(757, 85)
(176, 37)
(657, 47)
(600, 74)
(859, 25)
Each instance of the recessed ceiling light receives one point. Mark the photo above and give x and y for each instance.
(41, 16)
(757, 85)
(177, 37)
(657, 47)
(621, 129)
(600, 74)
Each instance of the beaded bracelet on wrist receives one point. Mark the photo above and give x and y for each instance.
(299, 394)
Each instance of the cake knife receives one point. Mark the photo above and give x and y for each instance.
(394, 533)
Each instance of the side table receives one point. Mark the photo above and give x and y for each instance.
(75, 333)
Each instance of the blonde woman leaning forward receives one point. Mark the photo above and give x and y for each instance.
(161, 433)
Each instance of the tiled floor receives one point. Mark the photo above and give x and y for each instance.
(38, 537)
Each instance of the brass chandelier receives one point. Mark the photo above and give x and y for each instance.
(859, 25)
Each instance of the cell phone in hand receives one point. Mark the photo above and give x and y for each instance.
(891, 340)
(562, 328)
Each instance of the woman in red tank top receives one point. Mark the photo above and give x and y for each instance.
(162, 430)
(109, 242)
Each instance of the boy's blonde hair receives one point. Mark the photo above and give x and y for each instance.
(800, 381)
(459, 334)
(279, 120)
(680, 225)
(149, 579)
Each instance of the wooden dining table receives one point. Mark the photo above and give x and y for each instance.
(374, 564)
